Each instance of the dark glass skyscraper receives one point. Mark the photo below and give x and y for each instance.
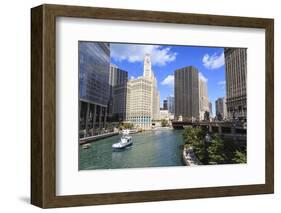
(165, 105)
(171, 104)
(118, 91)
(210, 109)
(186, 93)
(221, 112)
(94, 64)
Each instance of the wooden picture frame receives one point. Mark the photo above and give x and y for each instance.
(43, 105)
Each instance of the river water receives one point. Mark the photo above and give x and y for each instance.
(150, 149)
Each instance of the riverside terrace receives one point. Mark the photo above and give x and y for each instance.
(228, 130)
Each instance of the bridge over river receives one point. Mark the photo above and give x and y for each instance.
(232, 130)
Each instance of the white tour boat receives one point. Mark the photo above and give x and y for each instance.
(125, 141)
(129, 131)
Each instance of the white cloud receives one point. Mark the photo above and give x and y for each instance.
(221, 83)
(169, 80)
(202, 77)
(214, 61)
(135, 53)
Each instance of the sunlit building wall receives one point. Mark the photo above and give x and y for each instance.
(236, 82)
(94, 91)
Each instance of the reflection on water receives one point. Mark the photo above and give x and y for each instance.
(150, 149)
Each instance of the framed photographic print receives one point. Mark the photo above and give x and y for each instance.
(136, 106)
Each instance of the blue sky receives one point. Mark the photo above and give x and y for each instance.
(166, 59)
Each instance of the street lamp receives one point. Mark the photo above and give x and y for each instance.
(207, 140)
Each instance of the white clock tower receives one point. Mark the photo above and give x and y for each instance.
(147, 71)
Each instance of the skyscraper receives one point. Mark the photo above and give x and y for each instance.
(94, 63)
(236, 82)
(148, 74)
(156, 104)
(117, 99)
(221, 111)
(165, 104)
(139, 102)
(120, 102)
(171, 104)
(210, 109)
(186, 93)
(203, 97)
(143, 100)
(147, 70)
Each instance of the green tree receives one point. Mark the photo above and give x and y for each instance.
(164, 122)
(199, 149)
(229, 150)
(127, 126)
(194, 137)
(240, 157)
(216, 152)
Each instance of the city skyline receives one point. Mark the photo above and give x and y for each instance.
(167, 58)
(119, 96)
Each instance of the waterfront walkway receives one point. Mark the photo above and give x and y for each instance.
(97, 137)
(189, 157)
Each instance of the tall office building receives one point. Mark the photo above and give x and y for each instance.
(147, 67)
(165, 104)
(117, 99)
(236, 82)
(148, 74)
(143, 100)
(186, 93)
(221, 111)
(120, 102)
(203, 97)
(117, 76)
(139, 102)
(171, 104)
(210, 109)
(156, 105)
(94, 64)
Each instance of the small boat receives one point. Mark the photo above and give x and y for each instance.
(129, 131)
(86, 146)
(125, 141)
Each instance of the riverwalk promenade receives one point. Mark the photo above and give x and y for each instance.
(97, 137)
(110, 134)
(189, 157)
